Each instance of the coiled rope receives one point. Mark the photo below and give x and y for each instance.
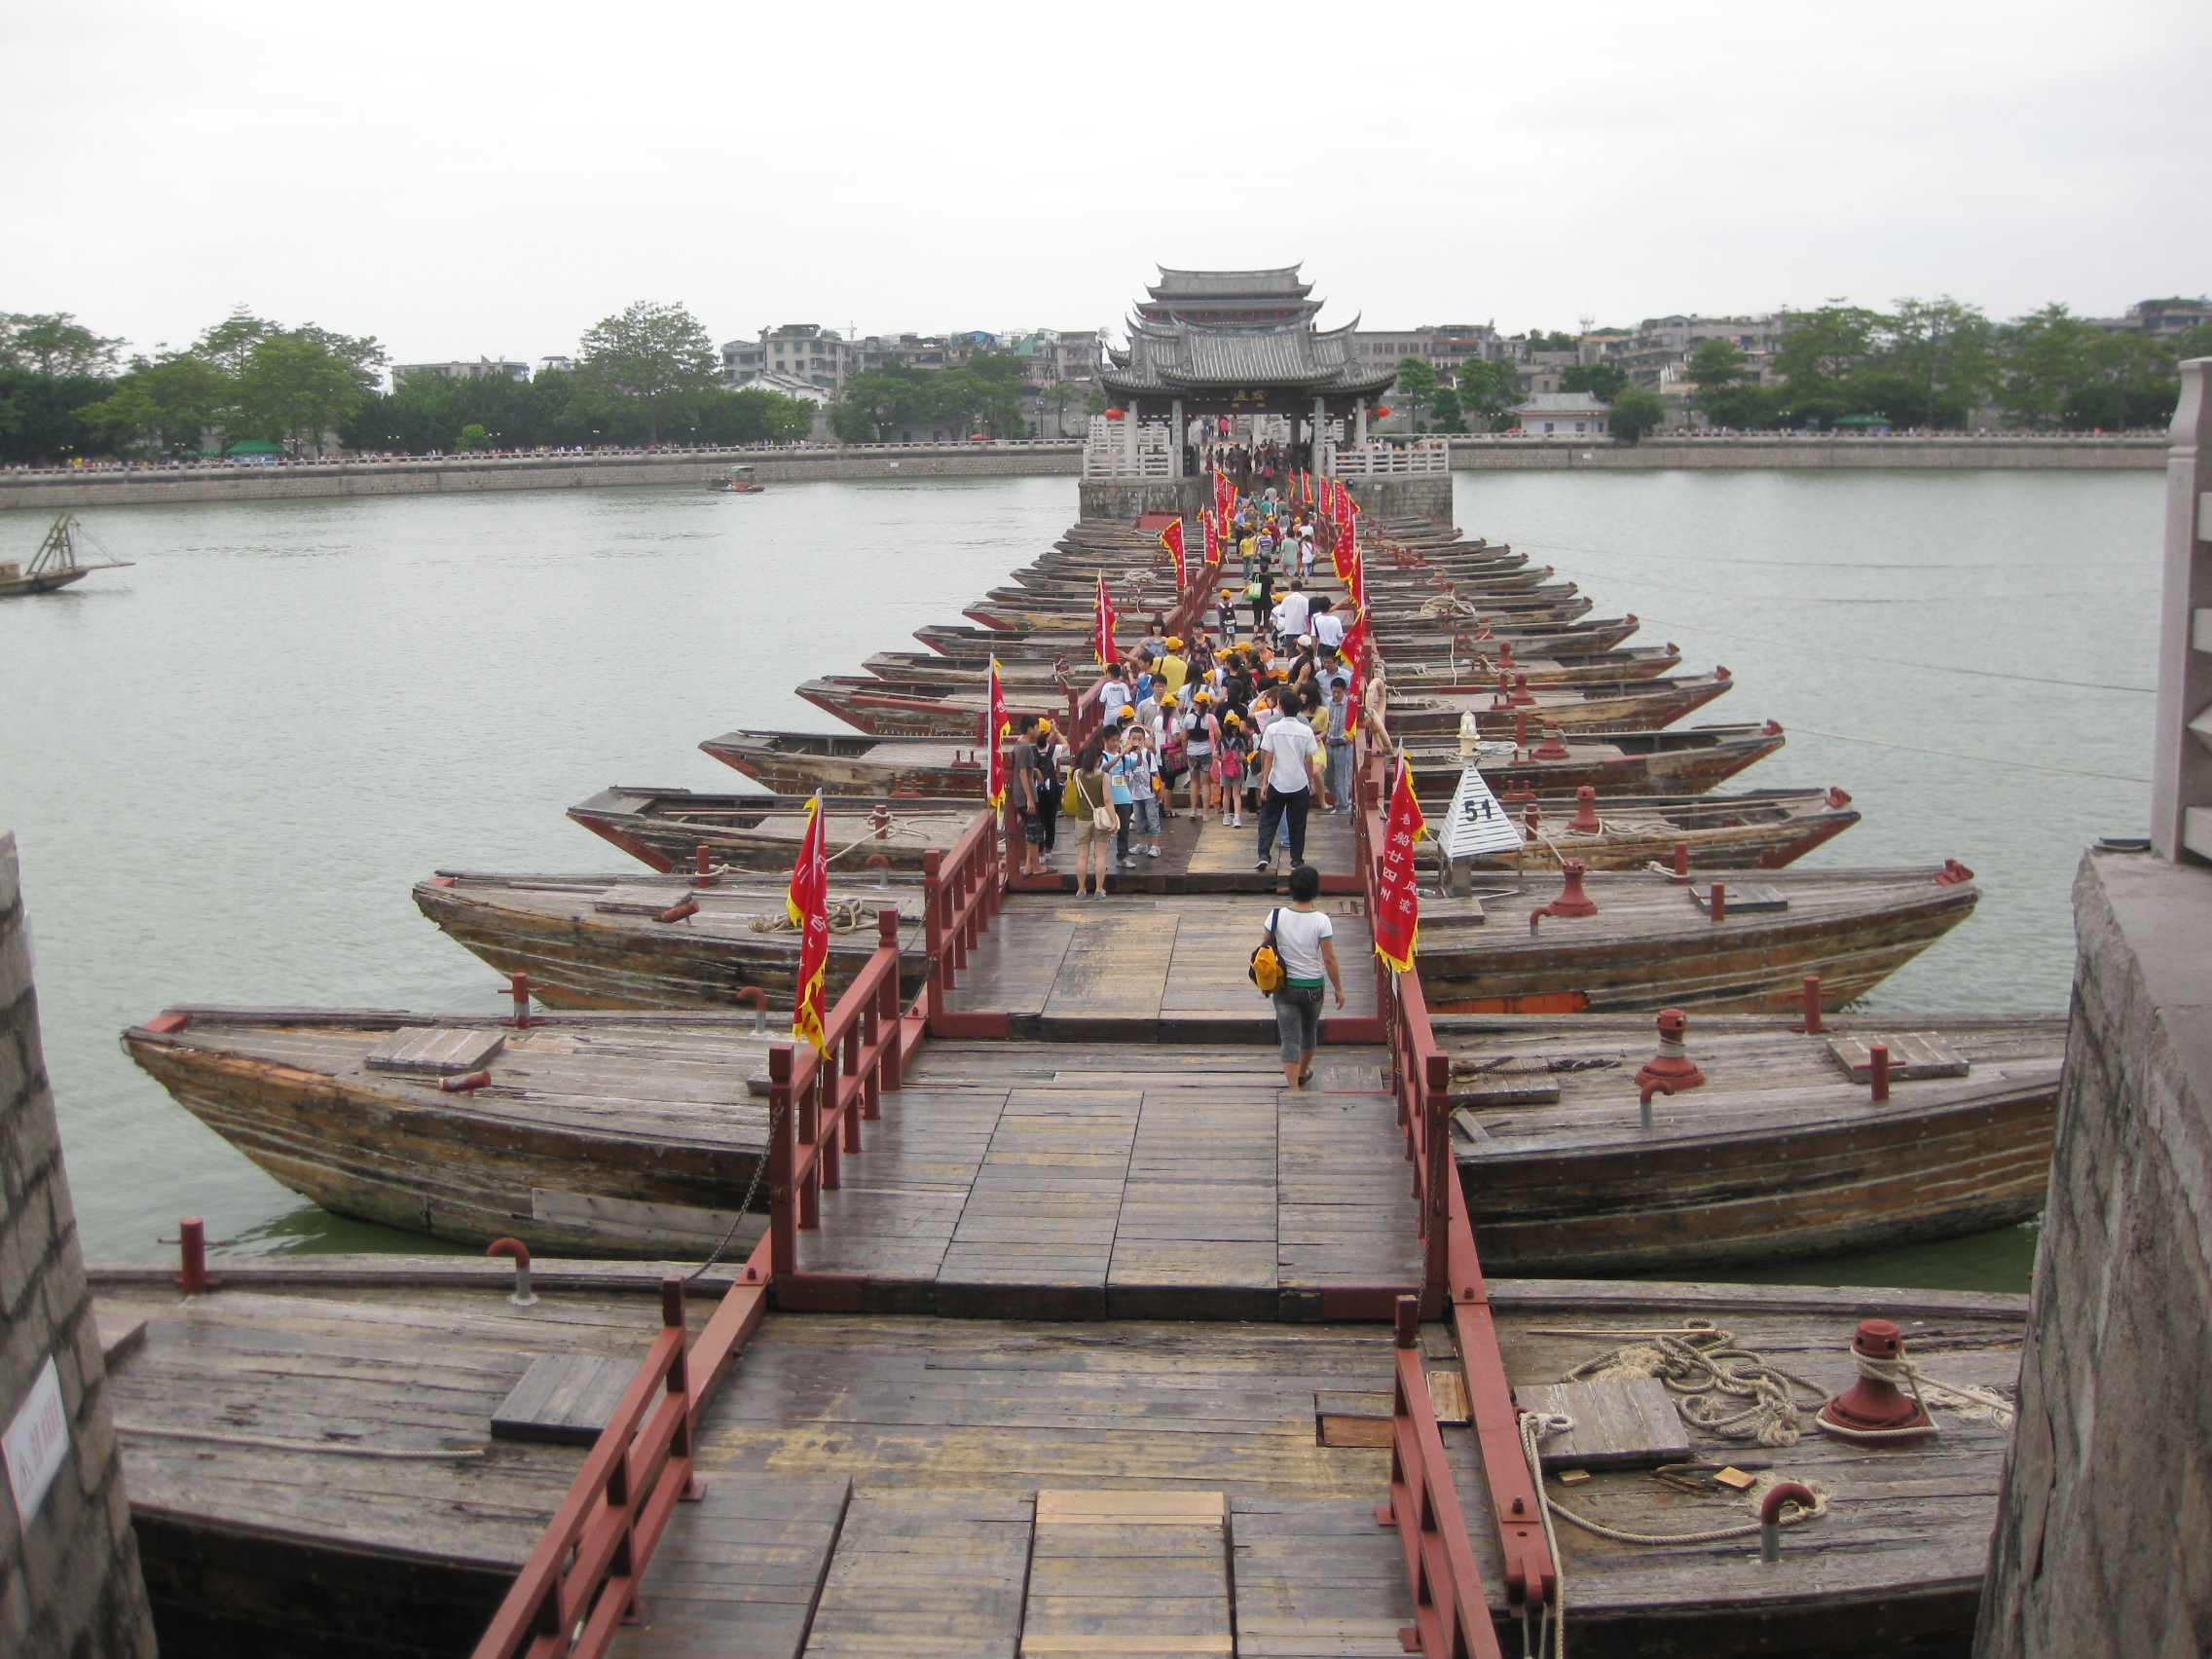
(1706, 1368)
(844, 916)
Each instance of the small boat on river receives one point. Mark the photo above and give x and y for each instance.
(1764, 829)
(1651, 943)
(738, 481)
(56, 563)
(1779, 1151)
(646, 941)
(666, 828)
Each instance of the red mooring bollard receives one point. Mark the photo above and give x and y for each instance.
(191, 1276)
(1874, 1411)
(758, 998)
(1572, 901)
(1717, 898)
(1585, 820)
(518, 986)
(1811, 1026)
(466, 1084)
(703, 866)
(1681, 862)
(1878, 1070)
(678, 912)
(1551, 749)
(1523, 697)
(1671, 1070)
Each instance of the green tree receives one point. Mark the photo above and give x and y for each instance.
(1416, 389)
(1716, 364)
(169, 403)
(297, 384)
(229, 343)
(875, 400)
(1487, 390)
(1540, 341)
(1821, 352)
(1057, 397)
(1939, 360)
(2046, 356)
(1744, 406)
(57, 344)
(1636, 409)
(1601, 381)
(985, 392)
(1448, 416)
(652, 361)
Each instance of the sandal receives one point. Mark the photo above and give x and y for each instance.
(1305, 1077)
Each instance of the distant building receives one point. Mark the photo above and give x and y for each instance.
(1658, 352)
(2160, 317)
(1443, 348)
(402, 373)
(1564, 414)
(556, 365)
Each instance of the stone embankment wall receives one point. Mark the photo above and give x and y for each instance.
(454, 475)
(2103, 1542)
(457, 475)
(69, 1582)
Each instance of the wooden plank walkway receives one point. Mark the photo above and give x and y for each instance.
(1141, 967)
(1125, 1180)
(737, 1573)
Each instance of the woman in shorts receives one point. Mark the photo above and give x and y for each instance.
(1303, 941)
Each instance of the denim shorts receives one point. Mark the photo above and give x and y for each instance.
(1148, 816)
(1298, 1016)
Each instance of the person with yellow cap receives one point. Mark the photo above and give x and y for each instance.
(1172, 667)
(1198, 731)
(1231, 752)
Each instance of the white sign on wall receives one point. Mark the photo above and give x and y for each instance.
(36, 1441)
(1477, 824)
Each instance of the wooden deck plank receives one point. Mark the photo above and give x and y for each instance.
(737, 1573)
(926, 1573)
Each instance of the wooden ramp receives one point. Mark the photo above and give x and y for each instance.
(1145, 968)
(1128, 1573)
(1129, 1180)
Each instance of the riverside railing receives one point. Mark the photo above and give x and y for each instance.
(963, 888)
(1451, 1616)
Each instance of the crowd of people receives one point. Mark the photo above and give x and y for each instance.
(1211, 728)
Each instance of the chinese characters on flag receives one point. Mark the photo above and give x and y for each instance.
(808, 905)
(1398, 893)
(996, 788)
(1102, 630)
(1210, 525)
(1171, 538)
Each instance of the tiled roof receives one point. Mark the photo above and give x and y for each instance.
(1280, 281)
(1180, 355)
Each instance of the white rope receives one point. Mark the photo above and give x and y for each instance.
(1704, 1366)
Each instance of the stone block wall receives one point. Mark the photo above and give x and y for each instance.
(2103, 1542)
(69, 1581)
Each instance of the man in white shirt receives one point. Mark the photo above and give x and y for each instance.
(1294, 777)
(1290, 613)
(1327, 627)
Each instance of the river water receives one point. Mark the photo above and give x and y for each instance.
(227, 764)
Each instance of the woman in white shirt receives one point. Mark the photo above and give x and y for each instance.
(1304, 943)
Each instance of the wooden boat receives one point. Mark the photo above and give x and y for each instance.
(1519, 610)
(1470, 675)
(738, 481)
(1652, 943)
(56, 563)
(1631, 705)
(598, 1134)
(599, 942)
(1609, 760)
(381, 1512)
(1781, 1151)
(1763, 830)
(848, 764)
(871, 705)
(1067, 639)
(666, 828)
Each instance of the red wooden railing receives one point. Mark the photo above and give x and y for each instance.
(581, 1581)
(1450, 1618)
(1452, 1276)
(963, 888)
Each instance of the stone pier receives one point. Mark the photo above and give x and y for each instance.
(69, 1581)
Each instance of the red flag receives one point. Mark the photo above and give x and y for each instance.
(1171, 538)
(1356, 646)
(1210, 527)
(808, 906)
(1396, 922)
(996, 789)
(1102, 629)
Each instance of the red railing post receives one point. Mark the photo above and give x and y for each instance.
(783, 1227)
(893, 1071)
(1443, 1168)
(932, 932)
(806, 1138)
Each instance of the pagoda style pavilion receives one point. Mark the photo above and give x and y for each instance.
(1236, 344)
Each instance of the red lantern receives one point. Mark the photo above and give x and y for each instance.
(1381, 411)
(1114, 414)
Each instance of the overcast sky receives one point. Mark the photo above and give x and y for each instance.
(486, 178)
